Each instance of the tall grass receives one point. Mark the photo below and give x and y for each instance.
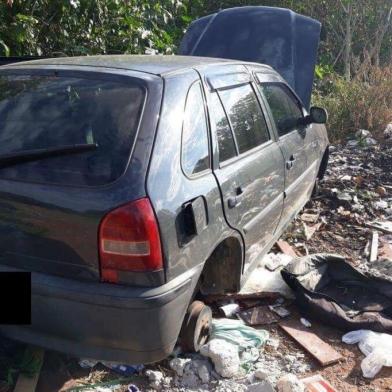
(357, 104)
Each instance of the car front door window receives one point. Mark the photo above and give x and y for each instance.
(284, 106)
(246, 117)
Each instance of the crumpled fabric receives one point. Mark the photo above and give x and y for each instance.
(376, 346)
(246, 338)
(237, 339)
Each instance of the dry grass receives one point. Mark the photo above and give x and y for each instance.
(357, 104)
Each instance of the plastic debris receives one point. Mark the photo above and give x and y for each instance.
(388, 132)
(230, 310)
(233, 346)
(306, 323)
(362, 134)
(237, 333)
(133, 388)
(280, 311)
(273, 261)
(124, 370)
(376, 346)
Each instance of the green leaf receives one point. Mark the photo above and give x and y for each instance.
(6, 49)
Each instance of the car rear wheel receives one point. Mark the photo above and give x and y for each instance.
(197, 326)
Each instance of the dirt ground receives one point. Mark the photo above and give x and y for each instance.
(356, 191)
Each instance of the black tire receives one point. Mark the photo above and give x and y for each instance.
(196, 327)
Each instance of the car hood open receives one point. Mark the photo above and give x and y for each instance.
(279, 37)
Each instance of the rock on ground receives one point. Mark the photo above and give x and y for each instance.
(290, 383)
(224, 355)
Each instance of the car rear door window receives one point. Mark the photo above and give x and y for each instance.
(224, 135)
(284, 106)
(195, 147)
(246, 117)
(47, 112)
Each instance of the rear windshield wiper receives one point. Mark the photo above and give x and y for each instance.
(15, 158)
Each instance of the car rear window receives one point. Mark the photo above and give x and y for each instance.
(43, 112)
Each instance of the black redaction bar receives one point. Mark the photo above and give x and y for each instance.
(15, 298)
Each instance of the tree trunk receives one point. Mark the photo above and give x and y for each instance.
(347, 43)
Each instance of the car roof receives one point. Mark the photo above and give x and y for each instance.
(157, 65)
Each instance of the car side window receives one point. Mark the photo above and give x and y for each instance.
(195, 150)
(284, 107)
(246, 117)
(224, 135)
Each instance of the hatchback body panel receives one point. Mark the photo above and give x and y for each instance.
(52, 229)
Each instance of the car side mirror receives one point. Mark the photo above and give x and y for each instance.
(318, 115)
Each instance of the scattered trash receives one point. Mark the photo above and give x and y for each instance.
(259, 315)
(230, 310)
(124, 370)
(273, 261)
(133, 388)
(385, 226)
(285, 247)
(290, 383)
(315, 346)
(374, 247)
(362, 134)
(310, 218)
(317, 383)
(232, 346)
(263, 280)
(306, 323)
(280, 311)
(376, 346)
(388, 132)
(310, 230)
(237, 333)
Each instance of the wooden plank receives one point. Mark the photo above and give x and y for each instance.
(211, 298)
(286, 248)
(319, 349)
(26, 383)
(374, 247)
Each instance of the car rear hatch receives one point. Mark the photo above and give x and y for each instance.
(279, 37)
(69, 153)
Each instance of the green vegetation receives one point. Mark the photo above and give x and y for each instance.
(353, 77)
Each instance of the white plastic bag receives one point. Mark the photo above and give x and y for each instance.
(376, 346)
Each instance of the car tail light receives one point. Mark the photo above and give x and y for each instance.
(129, 240)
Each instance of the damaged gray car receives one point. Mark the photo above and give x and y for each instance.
(129, 184)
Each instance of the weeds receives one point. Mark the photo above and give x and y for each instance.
(356, 104)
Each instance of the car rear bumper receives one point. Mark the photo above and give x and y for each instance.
(106, 321)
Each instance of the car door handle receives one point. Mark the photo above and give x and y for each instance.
(234, 201)
(290, 162)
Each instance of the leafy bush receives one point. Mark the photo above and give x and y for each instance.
(356, 104)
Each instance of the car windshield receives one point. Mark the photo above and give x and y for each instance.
(46, 112)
